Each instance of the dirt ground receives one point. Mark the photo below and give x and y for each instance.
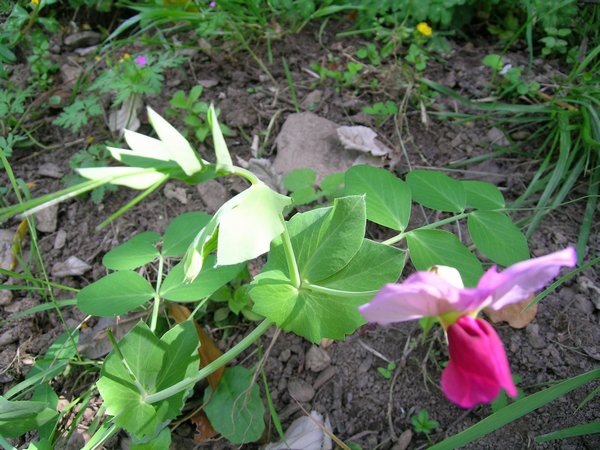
(363, 406)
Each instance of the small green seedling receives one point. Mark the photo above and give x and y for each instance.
(422, 423)
(387, 372)
(302, 185)
(381, 112)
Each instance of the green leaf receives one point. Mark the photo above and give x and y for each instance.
(436, 190)
(494, 61)
(19, 417)
(176, 288)
(115, 294)
(136, 252)
(583, 429)
(177, 145)
(325, 313)
(247, 224)
(299, 179)
(179, 100)
(224, 163)
(161, 442)
(235, 409)
(481, 195)
(388, 198)
(437, 247)
(495, 236)
(181, 232)
(149, 365)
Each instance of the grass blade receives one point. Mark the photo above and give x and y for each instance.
(577, 430)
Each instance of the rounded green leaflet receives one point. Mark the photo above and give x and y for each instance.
(495, 236)
(388, 198)
(482, 195)
(430, 247)
(134, 253)
(437, 190)
(115, 294)
(235, 408)
(181, 232)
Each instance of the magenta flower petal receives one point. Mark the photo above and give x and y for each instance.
(421, 294)
(521, 280)
(478, 366)
(141, 61)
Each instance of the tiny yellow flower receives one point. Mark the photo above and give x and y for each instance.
(424, 29)
(35, 2)
(97, 58)
(126, 56)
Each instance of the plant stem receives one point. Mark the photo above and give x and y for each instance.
(213, 366)
(437, 224)
(290, 256)
(337, 292)
(246, 174)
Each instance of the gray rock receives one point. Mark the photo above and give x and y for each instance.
(46, 219)
(583, 304)
(73, 266)
(5, 297)
(70, 73)
(6, 239)
(178, 193)
(213, 195)
(403, 441)
(83, 39)
(11, 335)
(317, 359)
(307, 140)
(312, 100)
(300, 390)
(533, 336)
(50, 170)
(496, 136)
(60, 240)
(587, 287)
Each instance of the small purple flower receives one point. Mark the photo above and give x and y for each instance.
(141, 61)
(478, 367)
(212, 4)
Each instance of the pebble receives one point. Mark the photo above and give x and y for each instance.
(46, 219)
(284, 356)
(324, 377)
(50, 170)
(583, 304)
(60, 239)
(587, 287)
(5, 297)
(73, 266)
(10, 336)
(533, 336)
(213, 195)
(312, 100)
(177, 193)
(317, 359)
(83, 39)
(300, 390)
(6, 239)
(403, 441)
(496, 136)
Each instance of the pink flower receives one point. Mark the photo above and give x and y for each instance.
(478, 366)
(141, 61)
(212, 4)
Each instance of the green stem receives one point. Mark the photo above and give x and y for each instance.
(113, 341)
(429, 226)
(213, 366)
(290, 257)
(336, 292)
(156, 306)
(241, 172)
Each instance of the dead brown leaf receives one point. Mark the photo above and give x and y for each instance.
(514, 314)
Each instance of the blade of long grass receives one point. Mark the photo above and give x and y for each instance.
(290, 81)
(577, 430)
(38, 308)
(588, 214)
(38, 378)
(515, 410)
(105, 431)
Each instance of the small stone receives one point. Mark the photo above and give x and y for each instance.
(496, 136)
(583, 304)
(60, 239)
(284, 356)
(5, 297)
(520, 135)
(50, 170)
(208, 83)
(12, 335)
(324, 377)
(83, 39)
(317, 359)
(6, 242)
(73, 266)
(403, 441)
(300, 390)
(587, 287)
(312, 100)
(46, 219)
(178, 193)
(213, 195)
(533, 336)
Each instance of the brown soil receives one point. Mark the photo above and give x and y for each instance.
(363, 406)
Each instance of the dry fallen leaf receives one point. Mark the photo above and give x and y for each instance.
(514, 314)
(208, 353)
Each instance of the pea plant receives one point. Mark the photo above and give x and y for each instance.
(319, 269)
